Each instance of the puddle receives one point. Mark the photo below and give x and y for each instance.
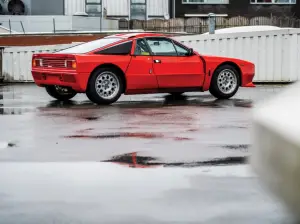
(85, 130)
(143, 135)
(4, 145)
(232, 126)
(77, 114)
(195, 101)
(91, 118)
(192, 130)
(15, 110)
(135, 161)
(182, 139)
(237, 147)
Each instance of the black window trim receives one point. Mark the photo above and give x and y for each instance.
(142, 38)
(172, 41)
(181, 45)
(106, 48)
(163, 38)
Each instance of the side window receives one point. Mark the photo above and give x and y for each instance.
(162, 47)
(120, 49)
(181, 51)
(141, 48)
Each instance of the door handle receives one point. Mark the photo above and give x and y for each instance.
(157, 61)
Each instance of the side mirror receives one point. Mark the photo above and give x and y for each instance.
(190, 52)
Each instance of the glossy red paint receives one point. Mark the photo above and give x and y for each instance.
(142, 73)
(246, 69)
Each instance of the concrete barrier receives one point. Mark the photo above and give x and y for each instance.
(276, 149)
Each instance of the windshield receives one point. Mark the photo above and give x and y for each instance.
(89, 46)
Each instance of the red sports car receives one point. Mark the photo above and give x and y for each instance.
(137, 63)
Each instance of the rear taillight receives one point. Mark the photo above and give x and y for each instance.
(36, 62)
(33, 63)
(71, 64)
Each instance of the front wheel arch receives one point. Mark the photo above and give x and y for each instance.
(112, 66)
(233, 65)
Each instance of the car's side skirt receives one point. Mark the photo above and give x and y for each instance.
(164, 90)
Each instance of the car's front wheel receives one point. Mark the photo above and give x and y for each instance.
(105, 86)
(61, 93)
(225, 82)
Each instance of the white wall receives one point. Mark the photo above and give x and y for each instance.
(93, 24)
(74, 6)
(275, 53)
(16, 61)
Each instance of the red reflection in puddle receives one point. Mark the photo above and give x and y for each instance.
(134, 163)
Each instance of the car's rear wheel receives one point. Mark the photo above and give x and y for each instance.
(60, 92)
(105, 86)
(225, 82)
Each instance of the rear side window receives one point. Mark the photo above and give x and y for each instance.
(120, 49)
(89, 46)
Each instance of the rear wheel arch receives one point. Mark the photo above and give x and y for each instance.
(237, 68)
(111, 66)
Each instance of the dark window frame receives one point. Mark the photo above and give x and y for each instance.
(149, 49)
(172, 41)
(97, 4)
(205, 2)
(182, 46)
(137, 4)
(255, 2)
(162, 38)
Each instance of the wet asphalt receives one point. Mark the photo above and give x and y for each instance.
(145, 159)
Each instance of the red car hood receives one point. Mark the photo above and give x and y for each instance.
(220, 59)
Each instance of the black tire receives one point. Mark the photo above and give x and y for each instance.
(219, 91)
(61, 93)
(98, 97)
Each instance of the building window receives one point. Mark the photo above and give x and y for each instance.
(205, 1)
(138, 9)
(93, 7)
(273, 1)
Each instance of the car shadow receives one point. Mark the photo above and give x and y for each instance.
(168, 100)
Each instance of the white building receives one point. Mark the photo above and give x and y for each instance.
(77, 15)
(132, 9)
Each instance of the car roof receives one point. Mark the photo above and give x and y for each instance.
(136, 35)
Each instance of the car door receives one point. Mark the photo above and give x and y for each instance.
(173, 67)
(139, 73)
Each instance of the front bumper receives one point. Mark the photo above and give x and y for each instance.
(247, 80)
(77, 81)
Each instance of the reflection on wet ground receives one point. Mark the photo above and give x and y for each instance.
(192, 127)
(196, 149)
(135, 161)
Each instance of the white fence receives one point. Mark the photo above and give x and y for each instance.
(276, 54)
(16, 61)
